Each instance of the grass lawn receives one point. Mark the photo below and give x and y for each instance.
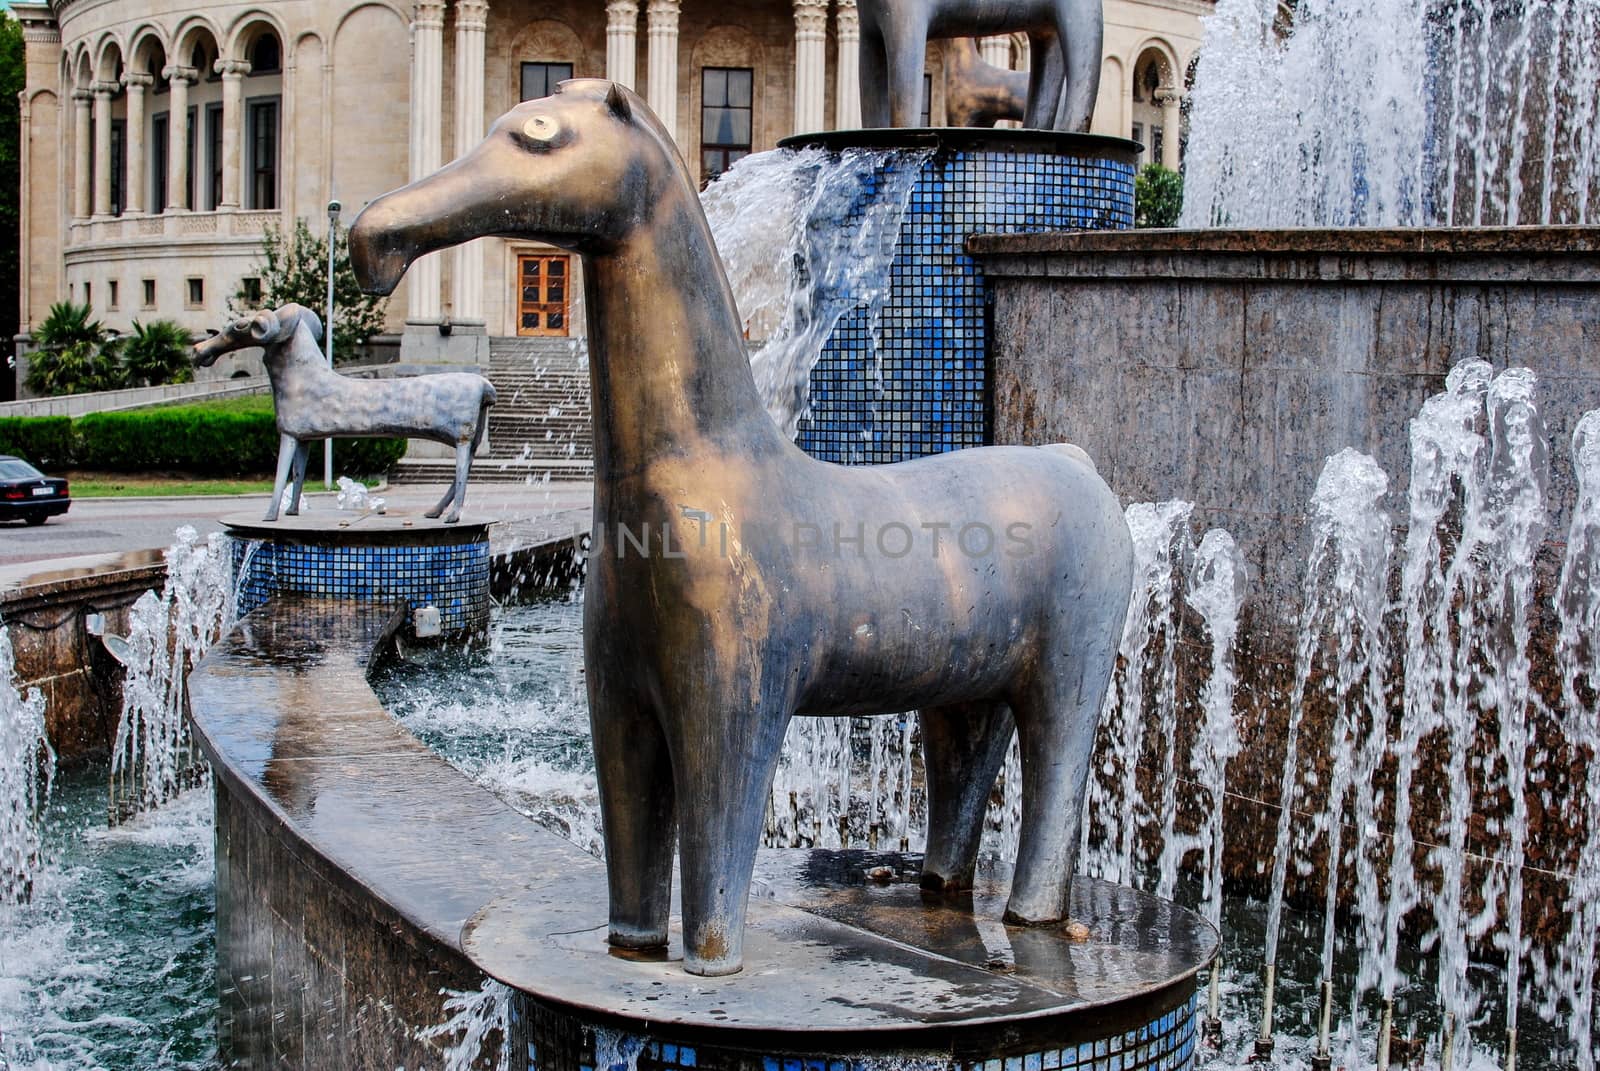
(112, 485)
(243, 403)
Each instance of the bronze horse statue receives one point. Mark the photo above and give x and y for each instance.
(736, 582)
(1065, 38)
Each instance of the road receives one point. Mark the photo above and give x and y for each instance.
(110, 525)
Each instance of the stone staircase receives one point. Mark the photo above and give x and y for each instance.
(538, 429)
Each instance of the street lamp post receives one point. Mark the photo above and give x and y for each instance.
(327, 333)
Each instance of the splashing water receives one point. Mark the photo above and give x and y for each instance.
(1344, 600)
(353, 495)
(153, 758)
(1578, 662)
(1147, 656)
(1396, 113)
(474, 1018)
(778, 209)
(27, 766)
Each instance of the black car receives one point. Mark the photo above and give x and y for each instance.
(26, 494)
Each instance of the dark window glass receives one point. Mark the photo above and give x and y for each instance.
(17, 469)
(1157, 142)
(541, 79)
(726, 109)
(193, 154)
(160, 142)
(149, 293)
(263, 134)
(119, 165)
(214, 155)
(926, 118)
(252, 290)
(265, 55)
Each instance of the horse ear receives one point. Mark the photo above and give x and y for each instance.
(265, 327)
(618, 103)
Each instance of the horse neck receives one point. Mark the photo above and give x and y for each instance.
(667, 356)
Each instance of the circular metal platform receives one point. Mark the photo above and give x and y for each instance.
(846, 959)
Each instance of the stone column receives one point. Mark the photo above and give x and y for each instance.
(138, 180)
(1171, 128)
(810, 65)
(996, 51)
(83, 153)
(662, 91)
(180, 78)
(847, 72)
(622, 41)
(233, 72)
(103, 92)
(427, 136)
(472, 17)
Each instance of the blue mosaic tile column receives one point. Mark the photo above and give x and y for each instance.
(443, 567)
(545, 1038)
(921, 386)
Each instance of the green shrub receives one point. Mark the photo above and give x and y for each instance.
(76, 353)
(210, 441)
(46, 441)
(1157, 197)
(156, 354)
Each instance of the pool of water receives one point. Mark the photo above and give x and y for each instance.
(113, 964)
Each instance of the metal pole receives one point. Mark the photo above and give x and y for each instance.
(327, 334)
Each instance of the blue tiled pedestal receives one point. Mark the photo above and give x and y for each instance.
(393, 559)
(917, 382)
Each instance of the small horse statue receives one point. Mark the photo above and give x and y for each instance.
(736, 582)
(311, 401)
(1065, 38)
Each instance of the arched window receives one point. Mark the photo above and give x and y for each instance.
(266, 56)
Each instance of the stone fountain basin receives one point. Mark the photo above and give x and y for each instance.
(360, 877)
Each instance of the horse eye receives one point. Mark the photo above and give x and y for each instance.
(539, 128)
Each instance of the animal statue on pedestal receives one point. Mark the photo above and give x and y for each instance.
(311, 401)
(736, 582)
(1065, 38)
(976, 92)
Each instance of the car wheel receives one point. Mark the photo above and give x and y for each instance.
(35, 518)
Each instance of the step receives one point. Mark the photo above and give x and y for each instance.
(494, 470)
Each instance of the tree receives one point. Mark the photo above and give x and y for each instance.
(295, 268)
(1157, 197)
(76, 353)
(13, 77)
(156, 354)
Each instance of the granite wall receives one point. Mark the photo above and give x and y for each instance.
(1224, 367)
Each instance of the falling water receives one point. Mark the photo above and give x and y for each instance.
(1578, 663)
(1395, 113)
(764, 215)
(27, 764)
(153, 758)
(475, 1018)
(1339, 662)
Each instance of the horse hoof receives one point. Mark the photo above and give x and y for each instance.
(452, 518)
(712, 968)
(636, 939)
(433, 514)
(271, 516)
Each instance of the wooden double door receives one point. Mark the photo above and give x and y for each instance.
(543, 294)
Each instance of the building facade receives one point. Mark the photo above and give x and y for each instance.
(162, 137)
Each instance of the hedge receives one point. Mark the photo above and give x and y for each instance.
(45, 441)
(209, 442)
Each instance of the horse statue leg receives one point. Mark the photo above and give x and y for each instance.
(286, 452)
(297, 478)
(458, 490)
(1081, 24)
(963, 745)
(1045, 66)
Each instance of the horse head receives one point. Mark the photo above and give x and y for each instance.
(267, 329)
(579, 170)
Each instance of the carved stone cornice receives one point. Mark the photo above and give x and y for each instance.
(39, 25)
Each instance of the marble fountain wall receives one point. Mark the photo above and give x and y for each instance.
(1224, 367)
